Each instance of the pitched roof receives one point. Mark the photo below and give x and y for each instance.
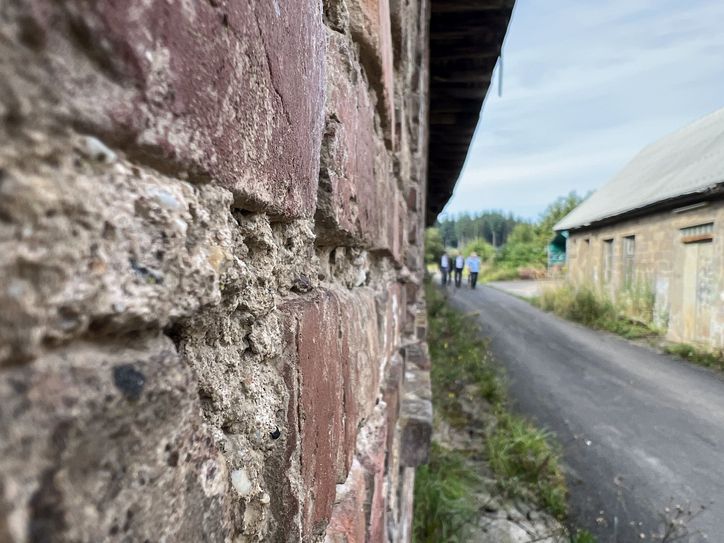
(688, 161)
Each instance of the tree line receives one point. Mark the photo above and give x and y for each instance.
(492, 226)
(502, 240)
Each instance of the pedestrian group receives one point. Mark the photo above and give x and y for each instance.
(453, 269)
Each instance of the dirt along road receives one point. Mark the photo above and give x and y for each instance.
(641, 432)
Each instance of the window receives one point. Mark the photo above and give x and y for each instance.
(629, 254)
(607, 260)
(700, 232)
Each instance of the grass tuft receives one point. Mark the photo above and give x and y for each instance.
(443, 508)
(523, 458)
(460, 358)
(629, 318)
(527, 463)
(696, 355)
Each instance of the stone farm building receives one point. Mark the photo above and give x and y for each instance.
(657, 229)
(212, 326)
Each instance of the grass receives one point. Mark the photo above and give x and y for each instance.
(443, 508)
(630, 317)
(696, 355)
(523, 458)
(499, 274)
(526, 461)
(461, 358)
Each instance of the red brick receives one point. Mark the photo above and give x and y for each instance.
(359, 201)
(391, 308)
(371, 28)
(332, 341)
(394, 374)
(347, 168)
(349, 522)
(321, 393)
(360, 344)
(412, 199)
(371, 451)
(227, 90)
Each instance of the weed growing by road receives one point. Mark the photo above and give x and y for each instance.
(631, 317)
(443, 508)
(461, 357)
(526, 461)
(523, 459)
(697, 356)
(591, 308)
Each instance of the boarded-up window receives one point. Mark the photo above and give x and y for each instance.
(607, 260)
(700, 232)
(629, 257)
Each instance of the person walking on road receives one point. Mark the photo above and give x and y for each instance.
(445, 269)
(459, 265)
(473, 268)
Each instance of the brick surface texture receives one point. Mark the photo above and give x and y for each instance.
(210, 267)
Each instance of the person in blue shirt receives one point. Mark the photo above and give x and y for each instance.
(473, 263)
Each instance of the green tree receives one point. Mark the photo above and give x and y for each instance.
(561, 207)
(433, 245)
(485, 251)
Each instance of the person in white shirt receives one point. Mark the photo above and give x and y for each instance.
(473, 268)
(445, 269)
(459, 265)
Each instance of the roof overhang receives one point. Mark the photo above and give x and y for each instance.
(465, 41)
(690, 201)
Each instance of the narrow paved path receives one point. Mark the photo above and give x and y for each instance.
(638, 428)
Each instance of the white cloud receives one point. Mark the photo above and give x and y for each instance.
(587, 84)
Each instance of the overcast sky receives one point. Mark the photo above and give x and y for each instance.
(586, 85)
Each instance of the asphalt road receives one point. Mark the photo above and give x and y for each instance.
(640, 431)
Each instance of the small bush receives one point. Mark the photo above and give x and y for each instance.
(696, 355)
(582, 536)
(526, 463)
(522, 457)
(499, 274)
(460, 357)
(589, 307)
(485, 251)
(443, 504)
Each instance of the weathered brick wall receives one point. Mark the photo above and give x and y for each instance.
(211, 323)
(689, 309)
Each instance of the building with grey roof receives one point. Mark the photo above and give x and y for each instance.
(654, 234)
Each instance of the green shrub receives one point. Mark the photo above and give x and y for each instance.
(485, 251)
(499, 274)
(522, 457)
(526, 463)
(460, 356)
(697, 355)
(588, 306)
(443, 504)
(637, 301)
(434, 246)
(582, 536)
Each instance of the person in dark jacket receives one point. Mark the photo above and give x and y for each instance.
(445, 269)
(459, 265)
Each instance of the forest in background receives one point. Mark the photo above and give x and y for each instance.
(506, 244)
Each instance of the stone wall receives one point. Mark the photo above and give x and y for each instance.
(683, 274)
(211, 321)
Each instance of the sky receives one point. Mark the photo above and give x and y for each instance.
(586, 85)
